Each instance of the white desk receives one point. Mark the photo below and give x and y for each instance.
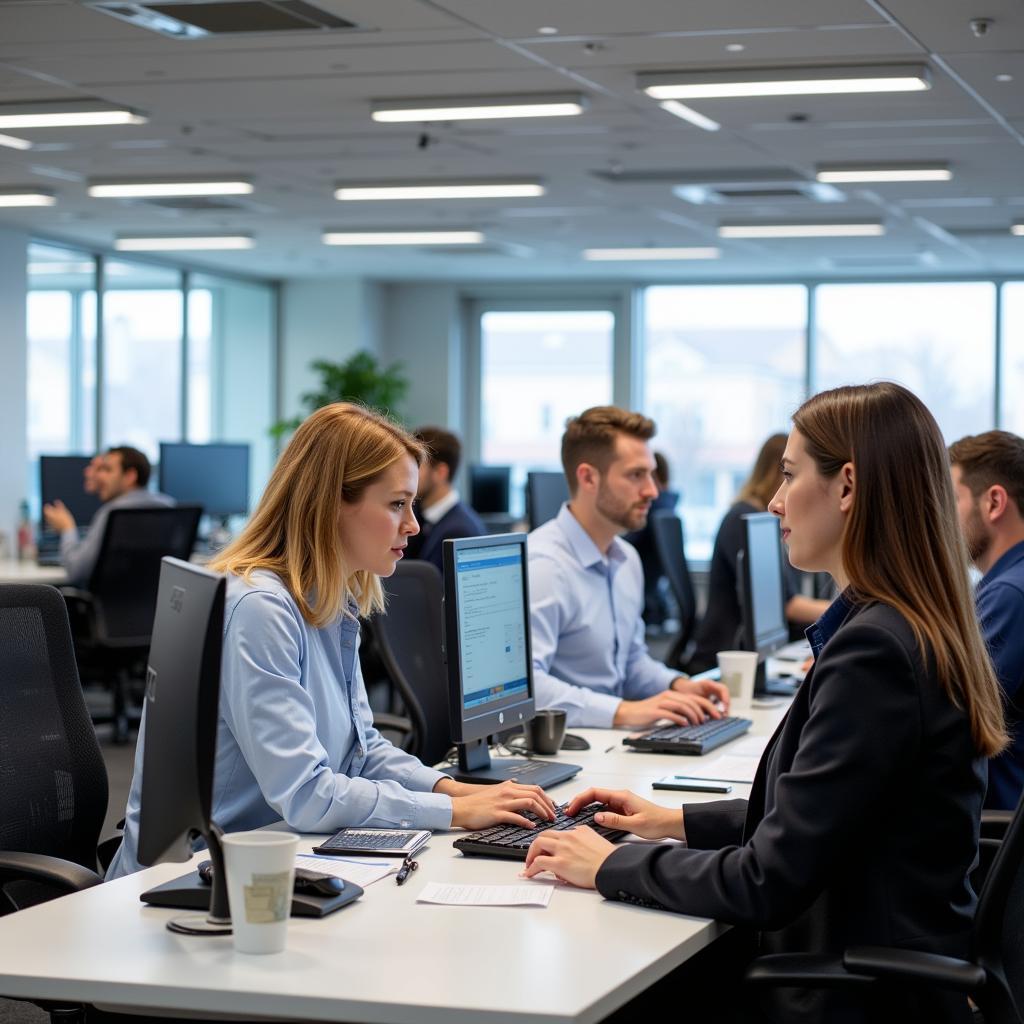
(13, 571)
(385, 958)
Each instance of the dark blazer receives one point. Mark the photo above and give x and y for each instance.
(459, 521)
(861, 827)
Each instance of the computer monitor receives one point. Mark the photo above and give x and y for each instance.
(489, 489)
(545, 493)
(215, 476)
(61, 479)
(762, 596)
(180, 715)
(490, 666)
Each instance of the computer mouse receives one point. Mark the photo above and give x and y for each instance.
(573, 742)
(314, 883)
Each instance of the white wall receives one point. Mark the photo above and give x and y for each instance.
(13, 378)
(323, 320)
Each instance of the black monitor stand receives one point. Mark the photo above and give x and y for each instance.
(772, 686)
(218, 920)
(475, 765)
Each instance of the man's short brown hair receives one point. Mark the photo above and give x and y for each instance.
(590, 437)
(995, 457)
(442, 447)
(132, 458)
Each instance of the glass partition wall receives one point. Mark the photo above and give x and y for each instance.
(181, 356)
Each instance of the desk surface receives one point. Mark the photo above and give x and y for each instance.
(13, 571)
(385, 958)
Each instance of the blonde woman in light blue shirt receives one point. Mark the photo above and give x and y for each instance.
(295, 735)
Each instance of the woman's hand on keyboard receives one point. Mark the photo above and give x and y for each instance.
(630, 812)
(503, 803)
(574, 856)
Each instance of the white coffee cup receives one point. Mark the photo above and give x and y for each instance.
(738, 669)
(260, 870)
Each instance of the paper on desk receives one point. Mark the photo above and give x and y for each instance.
(486, 895)
(362, 871)
(727, 768)
(749, 746)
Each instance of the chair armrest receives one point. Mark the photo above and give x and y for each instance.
(803, 970)
(912, 965)
(37, 867)
(995, 823)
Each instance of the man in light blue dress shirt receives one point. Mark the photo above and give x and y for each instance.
(587, 588)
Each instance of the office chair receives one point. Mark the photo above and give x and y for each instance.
(55, 799)
(667, 529)
(545, 493)
(993, 976)
(113, 618)
(409, 637)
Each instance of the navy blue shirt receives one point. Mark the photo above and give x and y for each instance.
(1000, 600)
(819, 633)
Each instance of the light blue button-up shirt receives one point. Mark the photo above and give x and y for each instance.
(295, 735)
(589, 652)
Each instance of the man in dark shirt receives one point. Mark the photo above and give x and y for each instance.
(441, 514)
(988, 477)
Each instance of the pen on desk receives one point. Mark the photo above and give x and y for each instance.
(610, 749)
(403, 872)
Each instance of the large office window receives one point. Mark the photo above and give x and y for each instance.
(142, 334)
(538, 367)
(1012, 398)
(61, 327)
(936, 339)
(231, 357)
(723, 368)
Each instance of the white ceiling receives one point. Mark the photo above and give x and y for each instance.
(292, 111)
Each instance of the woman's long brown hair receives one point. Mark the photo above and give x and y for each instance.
(902, 544)
(333, 457)
(765, 477)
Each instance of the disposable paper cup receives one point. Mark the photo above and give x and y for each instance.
(260, 869)
(738, 669)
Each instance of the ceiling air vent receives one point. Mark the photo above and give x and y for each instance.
(731, 187)
(201, 204)
(196, 19)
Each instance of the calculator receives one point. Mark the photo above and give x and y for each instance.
(373, 842)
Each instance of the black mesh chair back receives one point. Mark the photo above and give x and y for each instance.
(409, 636)
(53, 783)
(545, 493)
(127, 575)
(999, 928)
(667, 529)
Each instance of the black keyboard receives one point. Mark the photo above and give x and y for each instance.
(690, 739)
(513, 842)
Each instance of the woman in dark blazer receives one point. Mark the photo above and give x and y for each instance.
(862, 823)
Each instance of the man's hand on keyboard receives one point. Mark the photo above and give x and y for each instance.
(710, 688)
(479, 806)
(630, 812)
(574, 856)
(679, 708)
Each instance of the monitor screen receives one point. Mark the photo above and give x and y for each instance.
(60, 479)
(545, 493)
(488, 489)
(215, 476)
(762, 575)
(488, 629)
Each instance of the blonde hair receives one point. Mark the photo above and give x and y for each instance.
(902, 544)
(333, 457)
(765, 477)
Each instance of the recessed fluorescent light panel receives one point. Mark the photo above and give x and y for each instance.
(26, 197)
(1018, 228)
(12, 143)
(687, 114)
(852, 174)
(464, 108)
(70, 114)
(169, 188)
(507, 189)
(807, 81)
(653, 253)
(402, 238)
(181, 243)
(854, 230)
